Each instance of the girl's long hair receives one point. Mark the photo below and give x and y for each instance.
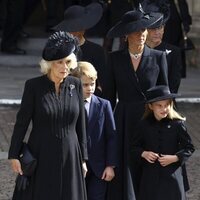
(173, 114)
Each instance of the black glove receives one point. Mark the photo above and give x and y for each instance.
(22, 182)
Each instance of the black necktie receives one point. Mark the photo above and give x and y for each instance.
(86, 114)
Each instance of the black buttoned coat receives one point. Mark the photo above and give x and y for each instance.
(57, 139)
(130, 86)
(167, 137)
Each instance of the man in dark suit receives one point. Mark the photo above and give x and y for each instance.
(101, 133)
(78, 19)
(12, 27)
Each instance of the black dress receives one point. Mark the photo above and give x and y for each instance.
(168, 137)
(130, 86)
(57, 139)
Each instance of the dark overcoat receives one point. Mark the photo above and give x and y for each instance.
(167, 137)
(174, 63)
(57, 139)
(130, 86)
(179, 17)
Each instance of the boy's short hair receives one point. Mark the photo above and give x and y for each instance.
(85, 68)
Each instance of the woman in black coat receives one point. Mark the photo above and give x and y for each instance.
(77, 21)
(173, 53)
(162, 145)
(130, 73)
(178, 24)
(53, 103)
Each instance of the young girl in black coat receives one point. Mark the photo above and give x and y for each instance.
(162, 145)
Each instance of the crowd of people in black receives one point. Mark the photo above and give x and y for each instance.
(108, 116)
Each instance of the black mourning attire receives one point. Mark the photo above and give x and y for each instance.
(130, 86)
(57, 139)
(167, 137)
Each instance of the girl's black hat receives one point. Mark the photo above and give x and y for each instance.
(158, 93)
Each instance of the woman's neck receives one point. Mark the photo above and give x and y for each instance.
(136, 49)
(56, 80)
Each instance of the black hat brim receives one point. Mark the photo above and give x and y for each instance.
(87, 19)
(169, 96)
(122, 29)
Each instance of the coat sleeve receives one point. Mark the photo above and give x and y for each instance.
(80, 126)
(185, 144)
(23, 119)
(163, 75)
(184, 14)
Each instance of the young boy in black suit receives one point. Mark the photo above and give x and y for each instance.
(101, 133)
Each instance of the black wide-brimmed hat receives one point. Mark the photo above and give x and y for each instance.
(60, 45)
(133, 21)
(78, 18)
(158, 93)
(157, 6)
(159, 23)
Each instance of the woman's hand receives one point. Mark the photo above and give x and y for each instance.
(84, 169)
(165, 160)
(16, 166)
(150, 156)
(108, 174)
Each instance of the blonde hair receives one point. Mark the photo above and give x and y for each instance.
(85, 68)
(45, 66)
(173, 114)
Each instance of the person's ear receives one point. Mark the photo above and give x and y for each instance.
(150, 106)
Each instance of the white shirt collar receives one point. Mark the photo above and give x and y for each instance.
(88, 99)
